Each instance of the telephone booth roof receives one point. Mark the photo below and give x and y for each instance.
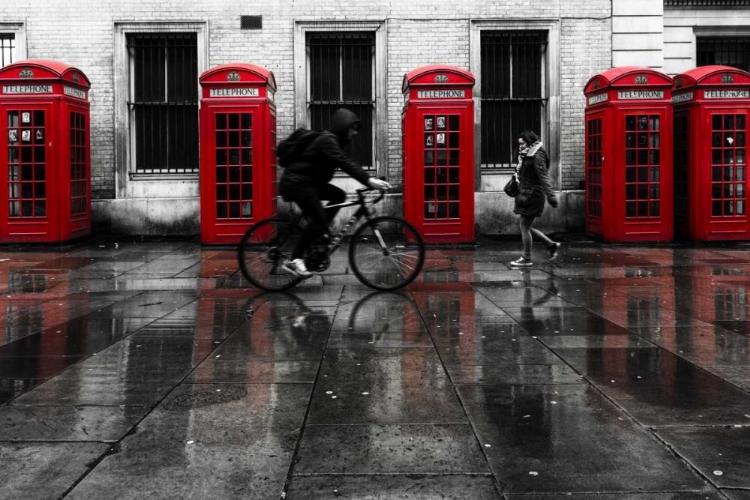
(249, 73)
(426, 76)
(711, 75)
(627, 76)
(44, 70)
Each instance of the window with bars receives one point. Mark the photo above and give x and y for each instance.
(7, 49)
(163, 104)
(513, 92)
(726, 51)
(341, 74)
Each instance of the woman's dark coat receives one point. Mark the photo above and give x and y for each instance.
(533, 185)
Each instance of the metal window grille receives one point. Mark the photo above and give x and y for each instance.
(705, 3)
(727, 51)
(513, 92)
(341, 69)
(164, 102)
(251, 22)
(7, 49)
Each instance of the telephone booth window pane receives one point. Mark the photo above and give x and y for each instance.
(234, 174)
(594, 167)
(728, 176)
(78, 165)
(441, 150)
(642, 148)
(26, 162)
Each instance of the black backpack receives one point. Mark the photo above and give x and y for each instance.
(290, 150)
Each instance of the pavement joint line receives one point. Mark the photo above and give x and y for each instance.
(303, 425)
(496, 483)
(116, 446)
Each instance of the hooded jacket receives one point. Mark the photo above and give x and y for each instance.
(320, 160)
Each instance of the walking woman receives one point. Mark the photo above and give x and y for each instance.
(533, 188)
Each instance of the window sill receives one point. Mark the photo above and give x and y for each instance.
(164, 177)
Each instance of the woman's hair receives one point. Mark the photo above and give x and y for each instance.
(528, 137)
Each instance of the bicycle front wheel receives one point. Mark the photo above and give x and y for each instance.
(386, 253)
(264, 248)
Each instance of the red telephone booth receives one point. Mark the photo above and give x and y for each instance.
(44, 153)
(629, 155)
(710, 106)
(438, 149)
(238, 150)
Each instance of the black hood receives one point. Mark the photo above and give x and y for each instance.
(340, 122)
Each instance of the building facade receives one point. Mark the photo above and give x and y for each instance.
(530, 61)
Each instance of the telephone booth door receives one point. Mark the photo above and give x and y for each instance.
(238, 151)
(438, 130)
(711, 106)
(628, 127)
(44, 153)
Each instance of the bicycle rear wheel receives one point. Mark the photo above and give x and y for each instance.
(386, 253)
(263, 249)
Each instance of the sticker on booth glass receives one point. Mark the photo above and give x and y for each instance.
(441, 123)
(428, 141)
(25, 117)
(12, 135)
(440, 137)
(26, 136)
(39, 135)
(428, 123)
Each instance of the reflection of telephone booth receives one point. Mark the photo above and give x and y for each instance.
(438, 149)
(711, 105)
(628, 155)
(44, 153)
(238, 150)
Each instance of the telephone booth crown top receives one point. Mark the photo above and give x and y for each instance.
(438, 82)
(36, 70)
(627, 84)
(238, 73)
(627, 76)
(711, 76)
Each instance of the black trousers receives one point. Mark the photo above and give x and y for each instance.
(309, 199)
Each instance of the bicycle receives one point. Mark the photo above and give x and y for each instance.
(385, 252)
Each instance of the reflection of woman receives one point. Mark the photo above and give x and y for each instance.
(533, 188)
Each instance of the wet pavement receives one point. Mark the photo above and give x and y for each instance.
(150, 369)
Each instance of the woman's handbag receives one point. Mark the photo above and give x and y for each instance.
(511, 187)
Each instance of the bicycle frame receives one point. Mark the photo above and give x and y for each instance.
(362, 211)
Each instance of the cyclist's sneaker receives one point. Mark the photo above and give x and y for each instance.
(553, 249)
(296, 266)
(522, 262)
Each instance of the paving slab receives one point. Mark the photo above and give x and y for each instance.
(12, 388)
(194, 451)
(389, 449)
(722, 454)
(569, 438)
(45, 470)
(658, 388)
(67, 423)
(412, 487)
(239, 370)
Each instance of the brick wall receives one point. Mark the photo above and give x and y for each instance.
(419, 32)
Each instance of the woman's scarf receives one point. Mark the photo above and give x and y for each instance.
(527, 152)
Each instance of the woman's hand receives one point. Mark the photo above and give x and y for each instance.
(376, 183)
(553, 201)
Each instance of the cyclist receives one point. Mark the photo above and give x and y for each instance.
(306, 182)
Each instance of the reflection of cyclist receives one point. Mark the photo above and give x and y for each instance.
(306, 182)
